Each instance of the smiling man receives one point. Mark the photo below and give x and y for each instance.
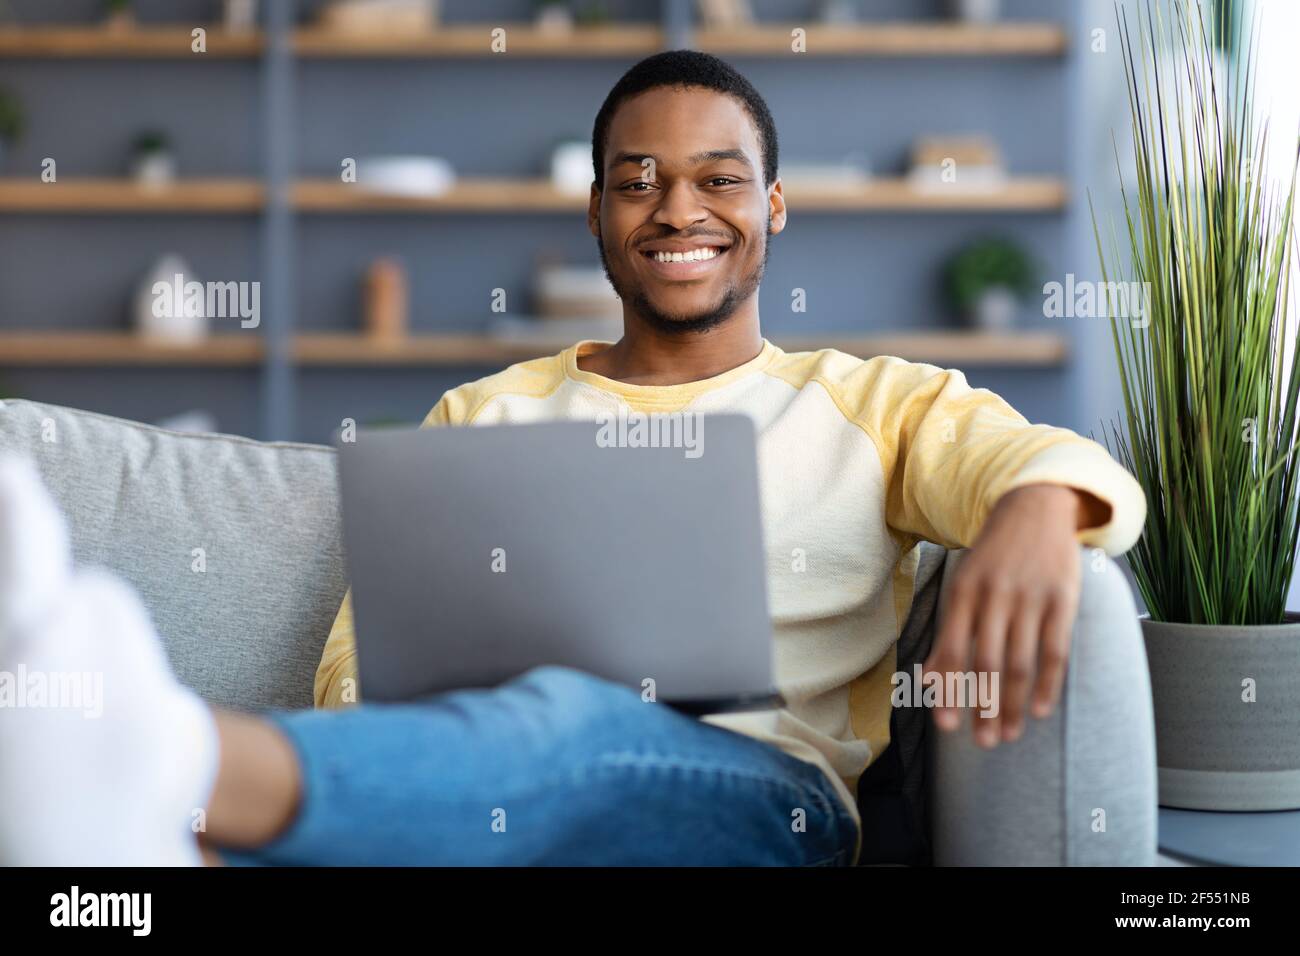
(859, 462)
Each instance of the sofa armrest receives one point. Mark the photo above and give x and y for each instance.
(1079, 787)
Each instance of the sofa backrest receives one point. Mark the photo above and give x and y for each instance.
(234, 545)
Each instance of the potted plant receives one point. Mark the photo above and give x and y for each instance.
(152, 160)
(986, 282)
(1211, 385)
(11, 121)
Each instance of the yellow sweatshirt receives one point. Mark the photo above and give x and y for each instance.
(858, 462)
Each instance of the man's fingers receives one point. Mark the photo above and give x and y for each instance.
(992, 620)
(1053, 655)
(952, 645)
(1018, 674)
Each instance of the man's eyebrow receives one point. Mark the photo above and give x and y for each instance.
(708, 156)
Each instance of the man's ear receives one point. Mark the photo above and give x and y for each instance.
(593, 211)
(776, 214)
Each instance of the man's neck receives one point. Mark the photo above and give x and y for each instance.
(650, 356)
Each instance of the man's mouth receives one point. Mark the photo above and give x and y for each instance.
(680, 264)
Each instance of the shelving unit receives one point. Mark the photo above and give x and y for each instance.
(283, 202)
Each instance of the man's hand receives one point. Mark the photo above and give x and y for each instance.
(1012, 603)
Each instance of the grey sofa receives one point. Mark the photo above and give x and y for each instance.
(234, 546)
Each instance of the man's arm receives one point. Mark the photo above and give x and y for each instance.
(964, 469)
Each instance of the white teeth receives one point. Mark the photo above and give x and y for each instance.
(695, 255)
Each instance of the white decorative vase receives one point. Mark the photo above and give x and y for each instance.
(160, 310)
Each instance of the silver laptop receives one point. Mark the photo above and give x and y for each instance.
(478, 553)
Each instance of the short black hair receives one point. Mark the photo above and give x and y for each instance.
(685, 68)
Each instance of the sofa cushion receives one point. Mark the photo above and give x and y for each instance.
(234, 545)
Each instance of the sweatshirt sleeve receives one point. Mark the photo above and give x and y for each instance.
(336, 682)
(949, 452)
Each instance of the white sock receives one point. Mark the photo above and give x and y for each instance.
(105, 759)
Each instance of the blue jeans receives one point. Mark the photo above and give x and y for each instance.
(554, 768)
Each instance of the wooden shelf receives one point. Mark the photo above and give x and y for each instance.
(139, 42)
(1027, 194)
(959, 348)
(124, 349)
(125, 195)
(522, 39)
(889, 39)
(1019, 194)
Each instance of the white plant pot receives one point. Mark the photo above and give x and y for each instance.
(154, 169)
(996, 309)
(976, 11)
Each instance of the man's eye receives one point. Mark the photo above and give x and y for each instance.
(636, 185)
(723, 181)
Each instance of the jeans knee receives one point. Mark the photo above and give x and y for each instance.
(574, 688)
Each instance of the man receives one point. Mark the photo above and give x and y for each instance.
(859, 461)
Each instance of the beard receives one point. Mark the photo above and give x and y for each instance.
(737, 292)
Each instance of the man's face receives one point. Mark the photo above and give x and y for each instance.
(684, 218)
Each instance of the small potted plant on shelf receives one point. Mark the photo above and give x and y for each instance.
(119, 14)
(11, 121)
(1211, 389)
(152, 160)
(987, 280)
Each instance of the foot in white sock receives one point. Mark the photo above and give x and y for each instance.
(105, 759)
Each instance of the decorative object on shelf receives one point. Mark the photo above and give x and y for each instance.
(385, 301)
(956, 162)
(418, 176)
(1211, 384)
(575, 292)
(725, 14)
(571, 167)
(380, 16)
(119, 14)
(838, 11)
(163, 310)
(986, 282)
(152, 161)
(976, 11)
(12, 121)
(553, 16)
(853, 172)
(239, 16)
